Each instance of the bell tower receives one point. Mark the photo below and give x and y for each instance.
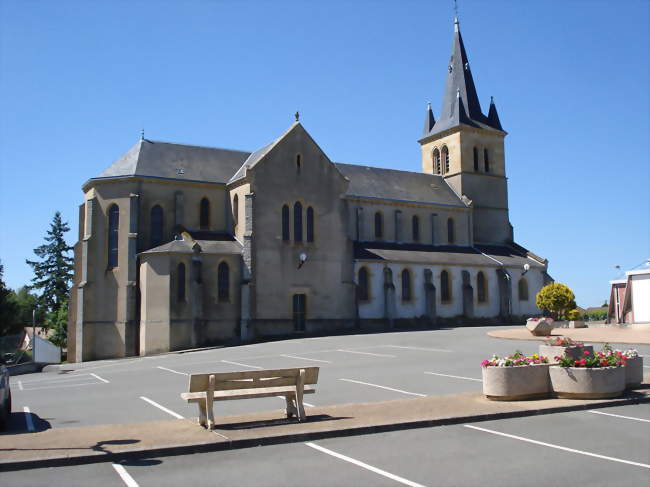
(466, 148)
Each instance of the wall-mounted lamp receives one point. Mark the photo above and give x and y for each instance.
(302, 258)
(526, 268)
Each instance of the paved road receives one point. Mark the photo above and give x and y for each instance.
(577, 448)
(354, 368)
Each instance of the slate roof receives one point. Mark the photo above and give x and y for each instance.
(460, 104)
(163, 160)
(443, 254)
(207, 247)
(375, 182)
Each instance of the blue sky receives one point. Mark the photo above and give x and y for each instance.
(78, 81)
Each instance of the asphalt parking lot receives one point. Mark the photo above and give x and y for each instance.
(598, 448)
(589, 448)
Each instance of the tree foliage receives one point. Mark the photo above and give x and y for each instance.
(57, 321)
(8, 308)
(53, 273)
(556, 298)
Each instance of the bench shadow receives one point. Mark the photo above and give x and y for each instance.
(277, 422)
(100, 446)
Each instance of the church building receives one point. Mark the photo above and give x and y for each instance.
(184, 246)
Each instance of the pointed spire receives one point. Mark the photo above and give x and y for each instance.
(429, 121)
(493, 116)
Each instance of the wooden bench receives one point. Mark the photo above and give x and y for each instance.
(291, 384)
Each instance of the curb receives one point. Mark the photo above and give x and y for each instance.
(186, 449)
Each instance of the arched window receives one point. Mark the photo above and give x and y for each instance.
(364, 285)
(235, 210)
(406, 285)
(298, 163)
(486, 160)
(285, 223)
(475, 159)
(436, 161)
(445, 288)
(416, 228)
(204, 214)
(310, 224)
(297, 222)
(379, 225)
(445, 160)
(451, 237)
(113, 235)
(523, 289)
(481, 288)
(223, 282)
(156, 226)
(180, 282)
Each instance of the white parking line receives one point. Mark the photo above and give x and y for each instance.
(454, 376)
(28, 419)
(558, 447)
(20, 385)
(162, 408)
(171, 370)
(358, 463)
(124, 475)
(304, 358)
(305, 403)
(619, 416)
(56, 380)
(384, 387)
(367, 353)
(94, 383)
(242, 365)
(99, 378)
(423, 349)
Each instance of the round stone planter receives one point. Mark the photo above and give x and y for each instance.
(551, 352)
(634, 372)
(516, 383)
(586, 383)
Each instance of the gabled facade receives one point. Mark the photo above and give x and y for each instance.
(183, 246)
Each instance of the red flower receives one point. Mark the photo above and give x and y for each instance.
(585, 352)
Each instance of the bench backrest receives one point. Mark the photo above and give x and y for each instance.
(226, 381)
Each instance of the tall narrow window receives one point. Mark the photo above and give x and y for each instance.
(310, 224)
(523, 289)
(204, 214)
(445, 289)
(180, 282)
(285, 223)
(481, 288)
(451, 237)
(406, 285)
(486, 160)
(235, 210)
(297, 222)
(416, 228)
(299, 311)
(436, 161)
(113, 235)
(475, 159)
(156, 223)
(364, 285)
(445, 160)
(298, 163)
(223, 282)
(379, 225)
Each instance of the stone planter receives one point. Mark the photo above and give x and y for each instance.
(577, 324)
(551, 352)
(540, 328)
(516, 383)
(586, 383)
(634, 371)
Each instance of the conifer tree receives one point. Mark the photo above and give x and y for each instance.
(53, 273)
(8, 308)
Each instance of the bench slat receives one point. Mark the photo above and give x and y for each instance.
(249, 379)
(244, 393)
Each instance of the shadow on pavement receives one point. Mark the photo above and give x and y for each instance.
(277, 422)
(17, 424)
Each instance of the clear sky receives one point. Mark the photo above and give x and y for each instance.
(79, 79)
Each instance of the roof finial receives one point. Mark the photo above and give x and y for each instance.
(428, 105)
(142, 134)
(457, 92)
(297, 115)
(455, 15)
(491, 100)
